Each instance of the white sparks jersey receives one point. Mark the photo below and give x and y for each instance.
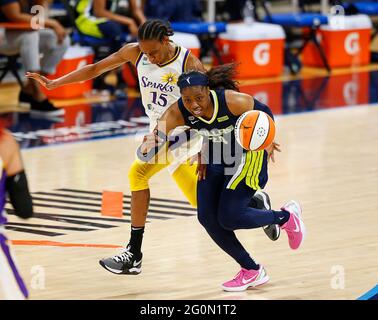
(158, 83)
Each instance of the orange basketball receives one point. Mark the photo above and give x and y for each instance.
(255, 130)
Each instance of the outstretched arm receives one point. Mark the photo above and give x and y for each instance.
(171, 119)
(127, 53)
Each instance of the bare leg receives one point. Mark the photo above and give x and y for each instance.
(140, 201)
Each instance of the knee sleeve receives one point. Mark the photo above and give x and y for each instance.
(19, 195)
(140, 173)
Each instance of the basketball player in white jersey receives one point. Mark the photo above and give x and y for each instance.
(14, 183)
(159, 63)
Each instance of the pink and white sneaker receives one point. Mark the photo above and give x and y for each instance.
(294, 227)
(245, 279)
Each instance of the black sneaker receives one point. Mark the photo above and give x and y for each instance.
(123, 263)
(260, 200)
(45, 109)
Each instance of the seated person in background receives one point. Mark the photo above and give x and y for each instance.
(100, 19)
(173, 10)
(51, 41)
(233, 10)
(113, 20)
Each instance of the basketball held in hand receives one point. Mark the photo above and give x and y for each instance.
(255, 130)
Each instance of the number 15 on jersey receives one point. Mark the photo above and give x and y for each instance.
(161, 100)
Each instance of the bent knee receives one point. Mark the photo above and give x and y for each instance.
(30, 39)
(227, 220)
(138, 178)
(208, 221)
(66, 43)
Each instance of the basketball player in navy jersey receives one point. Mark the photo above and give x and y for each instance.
(232, 173)
(13, 183)
(159, 63)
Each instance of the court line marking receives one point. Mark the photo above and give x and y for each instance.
(61, 244)
(370, 294)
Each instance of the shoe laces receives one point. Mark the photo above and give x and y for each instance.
(239, 275)
(124, 256)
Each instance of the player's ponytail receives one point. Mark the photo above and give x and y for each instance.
(222, 77)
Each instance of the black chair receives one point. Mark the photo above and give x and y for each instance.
(9, 63)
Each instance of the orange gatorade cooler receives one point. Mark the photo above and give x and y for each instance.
(128, 72)
(75, 58)
(346, 42)
(258, 47)
(187, 40)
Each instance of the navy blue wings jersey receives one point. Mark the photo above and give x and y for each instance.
(221, 147)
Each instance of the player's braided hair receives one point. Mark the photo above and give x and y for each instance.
(154, 30)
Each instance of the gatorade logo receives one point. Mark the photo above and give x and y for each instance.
(226, 48)
(352, 43)
(261, 54)
(80, 119)
(350, 92)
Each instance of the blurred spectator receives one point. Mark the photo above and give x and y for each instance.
(109, 19)
(50, 42)
(173, 10)
(113, 20)
(231, 10)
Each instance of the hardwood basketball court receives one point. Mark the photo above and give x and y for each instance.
(329, 163)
